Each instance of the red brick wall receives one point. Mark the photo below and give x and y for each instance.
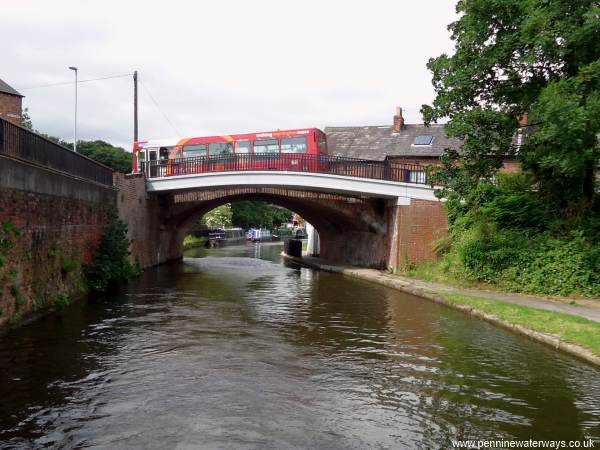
(59, 220)
(10, 108)
(154, 240)
(412, 229)
(57, 236)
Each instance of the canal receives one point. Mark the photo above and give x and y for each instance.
(235, 348)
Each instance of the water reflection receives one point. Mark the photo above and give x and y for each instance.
(226, 350)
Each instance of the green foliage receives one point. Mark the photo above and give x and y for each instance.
(26, 119)
(513, 57)
(563, 153)
(256, 214)
(502, 238)
(192, 241)
(59, 300)
(117, 158)
(442, 245)
(68, 264)
(8, 232)
(219, 217)
(111, 264)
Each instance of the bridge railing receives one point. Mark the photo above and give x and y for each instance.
(289, 162)
(20, 143)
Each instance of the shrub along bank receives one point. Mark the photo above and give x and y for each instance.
(111, 264)
(506, 237)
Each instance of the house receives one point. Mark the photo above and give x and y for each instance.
(10, 103)
(398, 142)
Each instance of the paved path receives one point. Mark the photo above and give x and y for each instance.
(587, 308)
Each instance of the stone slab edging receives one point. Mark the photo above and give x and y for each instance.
(375, 276)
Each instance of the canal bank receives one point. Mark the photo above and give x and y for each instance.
(565, 327)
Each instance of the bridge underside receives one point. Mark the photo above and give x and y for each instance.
(353, 229)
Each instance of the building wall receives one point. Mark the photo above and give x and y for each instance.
(58, 220)
(10, 108)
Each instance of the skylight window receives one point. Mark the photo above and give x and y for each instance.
(423, 140)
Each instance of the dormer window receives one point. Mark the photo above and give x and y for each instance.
(423, 140)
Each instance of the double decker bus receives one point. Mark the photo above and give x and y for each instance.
(297, 149)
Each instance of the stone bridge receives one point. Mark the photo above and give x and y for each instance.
(360, 221)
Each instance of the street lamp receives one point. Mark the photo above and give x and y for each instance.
(73, 68)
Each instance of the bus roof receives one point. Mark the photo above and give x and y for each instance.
(223, 138)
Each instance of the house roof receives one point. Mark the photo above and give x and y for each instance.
(379, 142)
(6, 89)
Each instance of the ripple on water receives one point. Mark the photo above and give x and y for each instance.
(226, 352)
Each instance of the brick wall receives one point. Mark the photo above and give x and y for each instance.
(154, 240)
(10, 108)
(411, 230)
(59, 220)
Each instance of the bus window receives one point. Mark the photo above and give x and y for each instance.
(194, 150)
(242, 147)
(163, 153)
(220, 148)
(152, 154)
(266, 146)
(293, 145)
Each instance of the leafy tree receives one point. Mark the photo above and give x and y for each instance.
(117, 158)
(26, 119)
(516, 57)
(111, 264)
(220, 217)
(255, 214)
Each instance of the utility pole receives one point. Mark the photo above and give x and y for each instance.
(135, 107)
(74, 69)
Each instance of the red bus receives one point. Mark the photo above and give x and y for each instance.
(283, 150)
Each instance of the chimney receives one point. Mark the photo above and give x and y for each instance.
(398, 120)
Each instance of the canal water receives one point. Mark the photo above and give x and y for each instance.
(235, 348)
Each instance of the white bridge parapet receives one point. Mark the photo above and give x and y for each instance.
(322, 182)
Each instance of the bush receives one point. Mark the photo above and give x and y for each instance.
(542, 264)
(505, 236)
(558, 267)
(111, 264)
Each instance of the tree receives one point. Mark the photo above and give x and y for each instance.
(117, 158)
(253, 214)
(516, 57)
(220, 217)
(26, 119)
(111, 264)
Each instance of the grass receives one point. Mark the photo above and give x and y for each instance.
(438, 272)
(572, 329)
(192, 241)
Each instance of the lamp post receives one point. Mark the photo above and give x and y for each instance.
(73, 68)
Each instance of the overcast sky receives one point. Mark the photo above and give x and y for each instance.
(217, 67)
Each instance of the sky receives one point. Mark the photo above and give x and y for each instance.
(221, 67)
